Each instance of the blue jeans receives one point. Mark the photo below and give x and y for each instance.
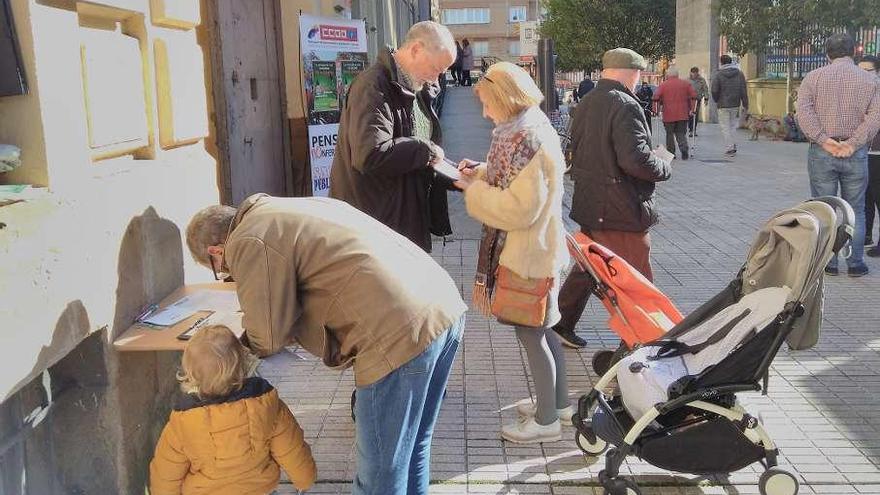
(395, 421)
(850, 176)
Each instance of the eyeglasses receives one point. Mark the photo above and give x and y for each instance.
(487, 78)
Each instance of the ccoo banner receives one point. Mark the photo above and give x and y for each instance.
(334, 52)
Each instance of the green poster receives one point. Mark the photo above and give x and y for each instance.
(324, 82)
(350, 69)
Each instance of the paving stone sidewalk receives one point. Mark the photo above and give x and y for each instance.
(822, 408)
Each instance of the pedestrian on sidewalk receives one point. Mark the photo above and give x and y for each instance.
(456, 66)
(677, 99)
(838, 109)
(517, 195)
(230, 433)
(702, 90)
(646, 98)
(354, 293)
(871, 64)
(390, 138)
(730, 93)
(583, 88)
(614, 171)
(467, 62)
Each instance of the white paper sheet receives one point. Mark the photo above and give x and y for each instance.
(664, 154)
(220, 301)
(449, 169)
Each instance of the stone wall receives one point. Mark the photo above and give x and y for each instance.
(115, 125)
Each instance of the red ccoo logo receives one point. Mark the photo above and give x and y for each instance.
(338, 33)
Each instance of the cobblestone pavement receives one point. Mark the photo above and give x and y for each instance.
(822, 403)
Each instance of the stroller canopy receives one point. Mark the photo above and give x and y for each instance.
(791, 250)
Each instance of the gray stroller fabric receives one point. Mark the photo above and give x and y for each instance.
(644, 378)
(792, 250)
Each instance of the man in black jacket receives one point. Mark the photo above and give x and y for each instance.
(615, 171)
(389, 138)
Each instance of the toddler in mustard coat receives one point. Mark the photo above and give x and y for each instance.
(231, 434)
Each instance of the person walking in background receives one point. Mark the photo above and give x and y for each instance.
(871, 64)
(390, 136)
(456, 66)
(467, 61)
(230, 433)
(677, 99)
(729, 91)
(702, 90)
(583, 88)
(838, 109)
(646, 98)
(614, 171)
(517, 195)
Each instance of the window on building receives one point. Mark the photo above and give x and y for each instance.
(518, 14)
(466, 16)
(480, 48)
(514, 48)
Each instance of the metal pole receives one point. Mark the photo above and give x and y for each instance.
(547, 74)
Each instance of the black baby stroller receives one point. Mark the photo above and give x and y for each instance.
(676, 406)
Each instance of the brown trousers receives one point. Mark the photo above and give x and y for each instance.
(634, 247)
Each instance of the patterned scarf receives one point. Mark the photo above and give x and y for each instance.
(514, 144)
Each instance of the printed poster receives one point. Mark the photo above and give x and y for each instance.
(334, 52)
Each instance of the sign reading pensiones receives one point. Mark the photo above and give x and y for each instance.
(334, 52)
(322, 148)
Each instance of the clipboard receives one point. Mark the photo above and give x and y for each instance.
(448, 169)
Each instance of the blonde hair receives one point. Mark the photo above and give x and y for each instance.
(208, 227)
(509, 89)
(215, 364)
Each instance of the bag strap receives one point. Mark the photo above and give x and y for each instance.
(674, 348)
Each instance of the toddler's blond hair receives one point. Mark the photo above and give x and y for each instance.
(215, 364)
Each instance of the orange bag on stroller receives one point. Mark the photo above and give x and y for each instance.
(638, 311)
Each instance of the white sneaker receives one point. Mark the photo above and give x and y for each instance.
(526, 430)
(528, 409)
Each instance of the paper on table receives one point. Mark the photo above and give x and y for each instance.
(223, 301)
(171, 315)
(214, 300)
(449, 169)
(664, 154)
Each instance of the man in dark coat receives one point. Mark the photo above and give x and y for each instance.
(615, 170)
(389, 138)
(584, 87)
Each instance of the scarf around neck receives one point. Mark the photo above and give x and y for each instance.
(514, 144)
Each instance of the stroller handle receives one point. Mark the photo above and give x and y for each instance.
(845, 225)
(574, 248)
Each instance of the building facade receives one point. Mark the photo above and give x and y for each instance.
(137, 114)
(491, 26)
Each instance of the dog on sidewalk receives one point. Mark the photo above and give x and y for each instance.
(769, 126)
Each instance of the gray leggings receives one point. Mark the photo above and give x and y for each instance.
(547, 365)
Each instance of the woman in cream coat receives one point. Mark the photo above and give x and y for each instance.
(517, 195)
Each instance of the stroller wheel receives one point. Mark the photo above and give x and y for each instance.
(602, 361)
(621, 486)
(594, 448)
(775, 481)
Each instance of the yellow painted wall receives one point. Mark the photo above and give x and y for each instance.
(767, 97)
(83, 244)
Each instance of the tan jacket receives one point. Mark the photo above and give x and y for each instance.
(530, 211)
(347, 288)
(231, 446)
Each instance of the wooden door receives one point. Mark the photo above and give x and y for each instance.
(249, 99)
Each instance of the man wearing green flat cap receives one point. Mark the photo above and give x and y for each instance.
(615, 170)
